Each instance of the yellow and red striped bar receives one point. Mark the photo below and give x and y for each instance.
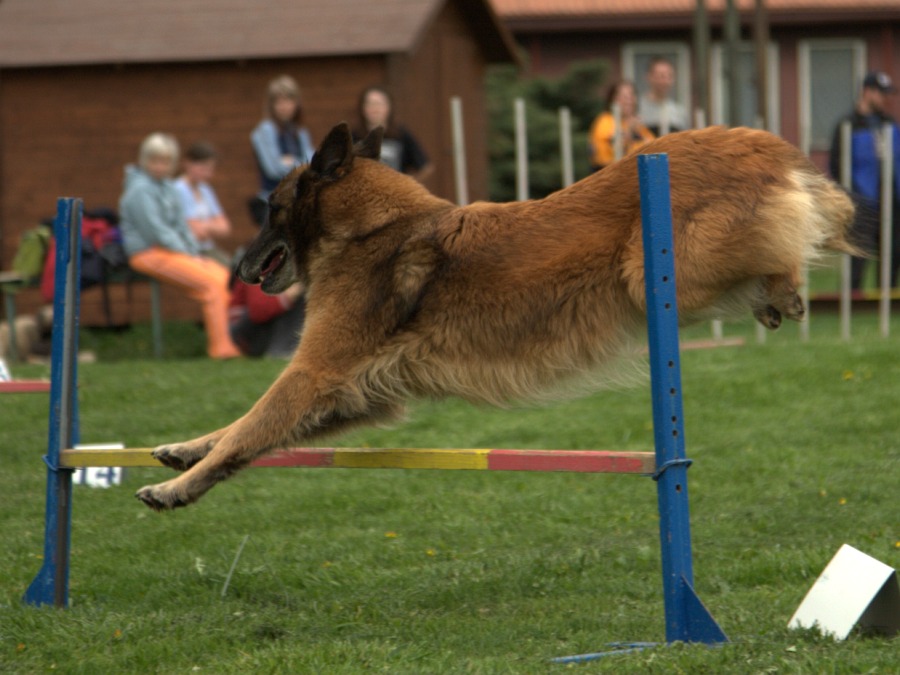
(24, 387)
(580, 461)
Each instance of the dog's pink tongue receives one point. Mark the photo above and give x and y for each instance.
(275, 262)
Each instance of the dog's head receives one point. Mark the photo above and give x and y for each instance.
(297, 211)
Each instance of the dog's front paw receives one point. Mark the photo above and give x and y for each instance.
(180, 456)
(162, 497)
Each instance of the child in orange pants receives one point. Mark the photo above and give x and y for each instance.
(202, 279)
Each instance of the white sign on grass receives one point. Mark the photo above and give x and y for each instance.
(99, 476)
(853, 589)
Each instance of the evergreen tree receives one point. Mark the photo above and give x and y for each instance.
(578, 89)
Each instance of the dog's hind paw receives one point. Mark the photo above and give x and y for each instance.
(794, 309)
(768, 316)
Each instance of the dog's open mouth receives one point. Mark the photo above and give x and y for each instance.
(273, 263)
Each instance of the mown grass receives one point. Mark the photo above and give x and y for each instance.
(796, 452)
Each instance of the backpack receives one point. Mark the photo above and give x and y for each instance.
(102, 255)
(33, 247)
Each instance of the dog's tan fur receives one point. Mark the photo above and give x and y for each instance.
(411, 296)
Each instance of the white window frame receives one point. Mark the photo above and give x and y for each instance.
(773, 77)
(682, 89)
(805, 48)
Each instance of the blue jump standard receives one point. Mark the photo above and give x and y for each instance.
(687, 620)
(51, 585)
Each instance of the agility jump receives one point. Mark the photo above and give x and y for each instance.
(686, 619)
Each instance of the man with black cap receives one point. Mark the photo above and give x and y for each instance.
(867, 131)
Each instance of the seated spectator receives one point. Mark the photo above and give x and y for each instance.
(266, 325)
(201, 206)
(159, 243)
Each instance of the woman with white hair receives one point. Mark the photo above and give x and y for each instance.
(159, 242)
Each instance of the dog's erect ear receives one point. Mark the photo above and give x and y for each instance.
(370, 146)
(335, 154)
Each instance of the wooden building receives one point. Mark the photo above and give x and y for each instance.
(82, 82)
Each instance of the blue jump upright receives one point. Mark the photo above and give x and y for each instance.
(51, 585)
(687, 620)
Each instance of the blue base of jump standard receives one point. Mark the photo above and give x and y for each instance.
(686, 619)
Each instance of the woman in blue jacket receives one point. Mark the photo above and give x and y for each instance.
(280, 141)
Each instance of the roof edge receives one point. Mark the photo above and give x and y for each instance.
(552, 23)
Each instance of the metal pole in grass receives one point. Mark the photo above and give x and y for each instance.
(51, 585)
(687, 620)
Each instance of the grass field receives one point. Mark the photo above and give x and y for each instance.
(796, 451)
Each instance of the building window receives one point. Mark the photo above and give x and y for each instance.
(747, 114)
(636, 56)
(831, 73)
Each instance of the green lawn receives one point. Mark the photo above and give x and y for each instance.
(796, 451)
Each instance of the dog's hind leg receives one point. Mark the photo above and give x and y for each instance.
(779, 299)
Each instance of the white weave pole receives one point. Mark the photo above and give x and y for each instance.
(887, 214)
(565, 146)
(803, 328)
(718, 329)
(618, 136)
(761, 333)
(459, 151)
(521, 151)
(847, 183)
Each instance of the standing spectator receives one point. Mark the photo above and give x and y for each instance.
(280, 141)
(399, 150)
(606, 128)
(201, 206)
(159, 243)
(659, 111)
(867, 122)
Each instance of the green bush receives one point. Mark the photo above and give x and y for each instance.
(579, 89)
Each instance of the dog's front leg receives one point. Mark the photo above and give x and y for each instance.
(182, 456)
(295, 407)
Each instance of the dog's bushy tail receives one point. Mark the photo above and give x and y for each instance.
(832, 214)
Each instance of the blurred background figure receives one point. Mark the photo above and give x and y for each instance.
(658, 109)
(159, 243)
(201, 206)
(611, 137)
(400, 150)
(280, 141)
(867, 123)
(266, 325)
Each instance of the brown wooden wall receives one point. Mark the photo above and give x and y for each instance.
(71, 131)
